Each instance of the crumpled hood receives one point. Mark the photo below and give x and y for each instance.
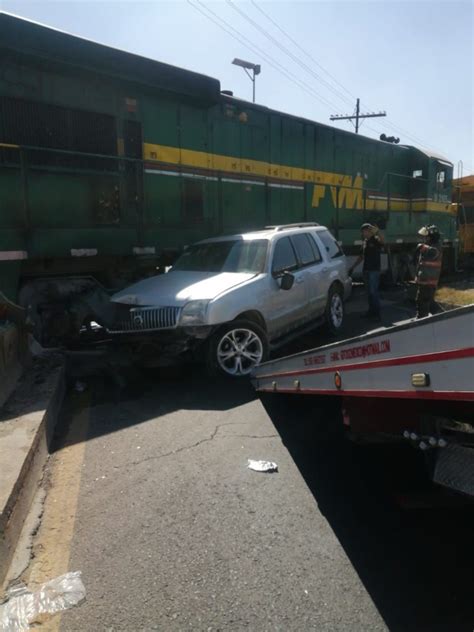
(177, 288)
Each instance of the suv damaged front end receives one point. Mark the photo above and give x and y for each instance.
(160, 336)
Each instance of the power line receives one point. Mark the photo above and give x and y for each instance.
(287, 52)
(417, 141)
(316, 62)
(252, 46)
(407, 134)
(305, 52)
(372, 129)
(386, 123)
(303, 85)
(254, 49)
(403, 131)
(244, 41)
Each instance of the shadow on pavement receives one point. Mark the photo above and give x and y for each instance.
(416, 564)
(139, 396)
(151, 394)
(394, 309)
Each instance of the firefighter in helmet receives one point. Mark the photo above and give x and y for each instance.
(428, 259)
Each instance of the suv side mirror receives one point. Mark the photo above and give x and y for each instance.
(287, 281)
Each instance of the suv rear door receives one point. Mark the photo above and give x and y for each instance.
(334, 267)
(289, 308)
(312, 262)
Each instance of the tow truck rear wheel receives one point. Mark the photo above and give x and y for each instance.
(334, 310)
(236, 348)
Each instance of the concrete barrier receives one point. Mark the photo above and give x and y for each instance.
(25, 439)
(13, 358)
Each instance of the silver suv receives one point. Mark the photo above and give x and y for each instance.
(230, 299)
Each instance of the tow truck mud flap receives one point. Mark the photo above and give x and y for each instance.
(454, 469)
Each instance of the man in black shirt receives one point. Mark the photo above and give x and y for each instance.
(371, 249)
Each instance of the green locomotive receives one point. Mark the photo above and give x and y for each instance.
(111, 163)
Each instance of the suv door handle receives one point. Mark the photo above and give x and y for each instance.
(300, 279)
(325, 269)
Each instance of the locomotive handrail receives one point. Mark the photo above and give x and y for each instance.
(24, 166)
(398, 175)
(387, 175)
(9, 146)
(70, 152)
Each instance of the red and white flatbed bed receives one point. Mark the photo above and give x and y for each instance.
(413, 380)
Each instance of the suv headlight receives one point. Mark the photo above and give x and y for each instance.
(194, 313)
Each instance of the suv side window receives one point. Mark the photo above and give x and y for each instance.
(332, 247)
(306, 249)
(315, 247)
(284, 257)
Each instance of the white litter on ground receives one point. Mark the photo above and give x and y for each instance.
(22, 607)
(262, 466)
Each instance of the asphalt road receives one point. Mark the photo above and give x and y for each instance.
(151, 498)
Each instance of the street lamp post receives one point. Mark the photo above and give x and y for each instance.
(247, 65)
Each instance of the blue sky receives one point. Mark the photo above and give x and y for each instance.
(412, 59)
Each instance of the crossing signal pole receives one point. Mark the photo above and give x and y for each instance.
(357, 116)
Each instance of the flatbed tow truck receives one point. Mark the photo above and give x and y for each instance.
(413, 381)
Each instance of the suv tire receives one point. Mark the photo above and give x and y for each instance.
(334, 310)
(235, 348)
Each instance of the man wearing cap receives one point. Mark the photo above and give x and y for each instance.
(371, 249)
(428, 260)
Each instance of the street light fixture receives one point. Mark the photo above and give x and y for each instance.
(247, 65)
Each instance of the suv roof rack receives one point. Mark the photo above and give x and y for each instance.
(298, 225)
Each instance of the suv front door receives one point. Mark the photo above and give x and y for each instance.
(289, 308)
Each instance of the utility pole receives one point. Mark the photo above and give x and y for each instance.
(357, 116)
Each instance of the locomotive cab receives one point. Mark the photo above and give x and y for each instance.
(441, 173)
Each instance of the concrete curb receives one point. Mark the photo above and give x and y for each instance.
(14, 357)
(18, 501)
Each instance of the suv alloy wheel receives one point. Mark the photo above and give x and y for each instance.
(334, 310)
(236, 348)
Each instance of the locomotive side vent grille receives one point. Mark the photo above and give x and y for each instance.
(47, 126)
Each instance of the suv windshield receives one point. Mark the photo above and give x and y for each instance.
(225, 256)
